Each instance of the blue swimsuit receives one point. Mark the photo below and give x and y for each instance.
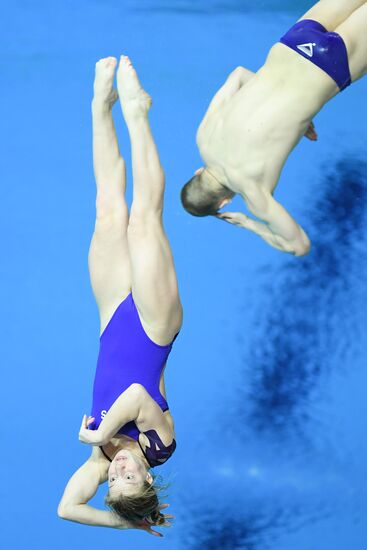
(126, 356)
(325, 49)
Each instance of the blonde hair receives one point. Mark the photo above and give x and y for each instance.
(142, 505)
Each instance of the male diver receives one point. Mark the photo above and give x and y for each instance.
(256, 119)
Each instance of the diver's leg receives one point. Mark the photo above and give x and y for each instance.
(332, 13)
(353, 32)
(108, 260)
(153, 279)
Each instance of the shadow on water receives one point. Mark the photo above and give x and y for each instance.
(271, 480)
(230, 533)
(307, 326)
(253, 530)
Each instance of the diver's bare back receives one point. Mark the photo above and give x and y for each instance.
(250, 137)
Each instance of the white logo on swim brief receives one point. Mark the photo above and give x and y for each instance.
(307, 48)
(103, 414)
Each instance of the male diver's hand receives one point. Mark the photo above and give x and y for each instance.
(91, 437)
(146, 525)
(311, 132)
(235, 218)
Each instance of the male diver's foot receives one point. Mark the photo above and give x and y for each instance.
(134, 100)
(105, 94)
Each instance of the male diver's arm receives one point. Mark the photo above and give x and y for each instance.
(277, 228)
(81, 487)
(135, 404)
(234, 82)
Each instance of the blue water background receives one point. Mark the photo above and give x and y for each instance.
(267, 379)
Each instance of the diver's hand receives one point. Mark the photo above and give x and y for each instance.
(146, 525)
(235, 218)
(311, 132)
(91, 437)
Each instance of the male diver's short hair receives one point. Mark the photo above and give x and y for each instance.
(142, 505)
(199, 198)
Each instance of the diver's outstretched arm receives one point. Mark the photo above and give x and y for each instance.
(81, 487)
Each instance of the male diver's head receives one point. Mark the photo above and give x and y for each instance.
(132, 494)
(204, 195)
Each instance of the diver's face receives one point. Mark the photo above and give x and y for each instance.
(126, 474)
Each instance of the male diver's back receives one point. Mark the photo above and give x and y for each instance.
(270, 113)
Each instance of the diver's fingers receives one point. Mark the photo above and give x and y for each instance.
(311, 132)
(84, 422)
(152, 532)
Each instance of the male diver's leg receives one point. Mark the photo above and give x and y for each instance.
(332, 13)
(353, 32)
(153, 276)
(108, 259)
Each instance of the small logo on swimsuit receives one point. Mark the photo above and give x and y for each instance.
(307, 48)
(103, 414)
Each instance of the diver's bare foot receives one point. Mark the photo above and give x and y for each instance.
(134, 100)
(105, 94)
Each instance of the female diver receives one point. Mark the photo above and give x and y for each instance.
(134, 282)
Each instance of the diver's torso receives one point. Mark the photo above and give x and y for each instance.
(251, 136)
(120, 441)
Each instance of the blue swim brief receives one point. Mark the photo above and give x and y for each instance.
(325, 49)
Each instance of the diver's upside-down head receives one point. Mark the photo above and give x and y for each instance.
(133, 492)
(204, 195)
